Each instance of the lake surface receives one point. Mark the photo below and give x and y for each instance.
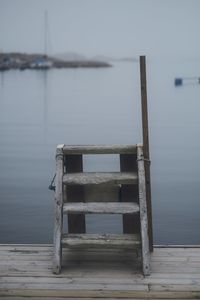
(40, 109)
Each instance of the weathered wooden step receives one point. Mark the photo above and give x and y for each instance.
(101, 208)
(105, 240)
(100, 149)
(100, 178)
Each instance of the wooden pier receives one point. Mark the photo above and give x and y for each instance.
(106, 266)
(26, 273)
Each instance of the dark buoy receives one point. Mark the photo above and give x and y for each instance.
(178, 81)
(186, 80)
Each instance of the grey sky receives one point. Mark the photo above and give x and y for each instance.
(109, 27)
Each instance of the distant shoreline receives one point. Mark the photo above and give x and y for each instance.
(23, 61)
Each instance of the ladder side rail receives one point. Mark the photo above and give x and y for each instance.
(143, 212)
(58, 221)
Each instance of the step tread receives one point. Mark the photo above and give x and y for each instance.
(94, 178)
(99, 149)
(101, 207)
(105, 240)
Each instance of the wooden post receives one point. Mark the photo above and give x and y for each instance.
(145, 133)
(57, 255)
(129, 193)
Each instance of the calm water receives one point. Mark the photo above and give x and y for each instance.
(40, 109)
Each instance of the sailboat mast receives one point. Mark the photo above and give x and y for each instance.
(45, 31)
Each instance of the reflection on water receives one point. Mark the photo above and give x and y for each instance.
(39, 110)
(44, 75)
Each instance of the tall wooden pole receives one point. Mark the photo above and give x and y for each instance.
(145, 132)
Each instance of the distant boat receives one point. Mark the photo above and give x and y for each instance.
(186, 80)
(41, 63)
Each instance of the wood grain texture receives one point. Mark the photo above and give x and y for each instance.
(93, 178)
(105, 240)
(99, 149)
(145, 133)
(58, 216)
(75, 298)
(98, 273)
(143, 212)
(101, 208)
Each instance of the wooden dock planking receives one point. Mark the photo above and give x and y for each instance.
(26, 271)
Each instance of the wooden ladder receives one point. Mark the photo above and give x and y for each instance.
(69, 199)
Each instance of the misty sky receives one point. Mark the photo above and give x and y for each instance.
(107, 27)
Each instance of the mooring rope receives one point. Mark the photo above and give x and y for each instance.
(144, 159)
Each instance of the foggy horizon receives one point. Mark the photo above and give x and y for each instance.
(92, 27)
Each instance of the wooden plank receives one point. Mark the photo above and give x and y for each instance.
(100, 178)
(101, 207)
(168, 258)
(143, 212)
(74, 286)
(90, 273)
(8, 258)
(71, 256)
(2, 246)
(76, 193)
(106, 271)
(58, 217)
(105, 240)
(176, 246)
(173, 276)
(48, 250)
(50, 253)
(46, 265)
(99, 149)
(78, 270)
(49, 298)
(175, 287)
(40, 264)
(108, 239)
(69, 298)
(145, 132)
(128, 163)
(99, 291)
(170, 269)
(74, 298)
(159, 253)
(164, 282)
(26, 251)
(177, 252)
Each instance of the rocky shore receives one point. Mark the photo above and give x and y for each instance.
(23, 61)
